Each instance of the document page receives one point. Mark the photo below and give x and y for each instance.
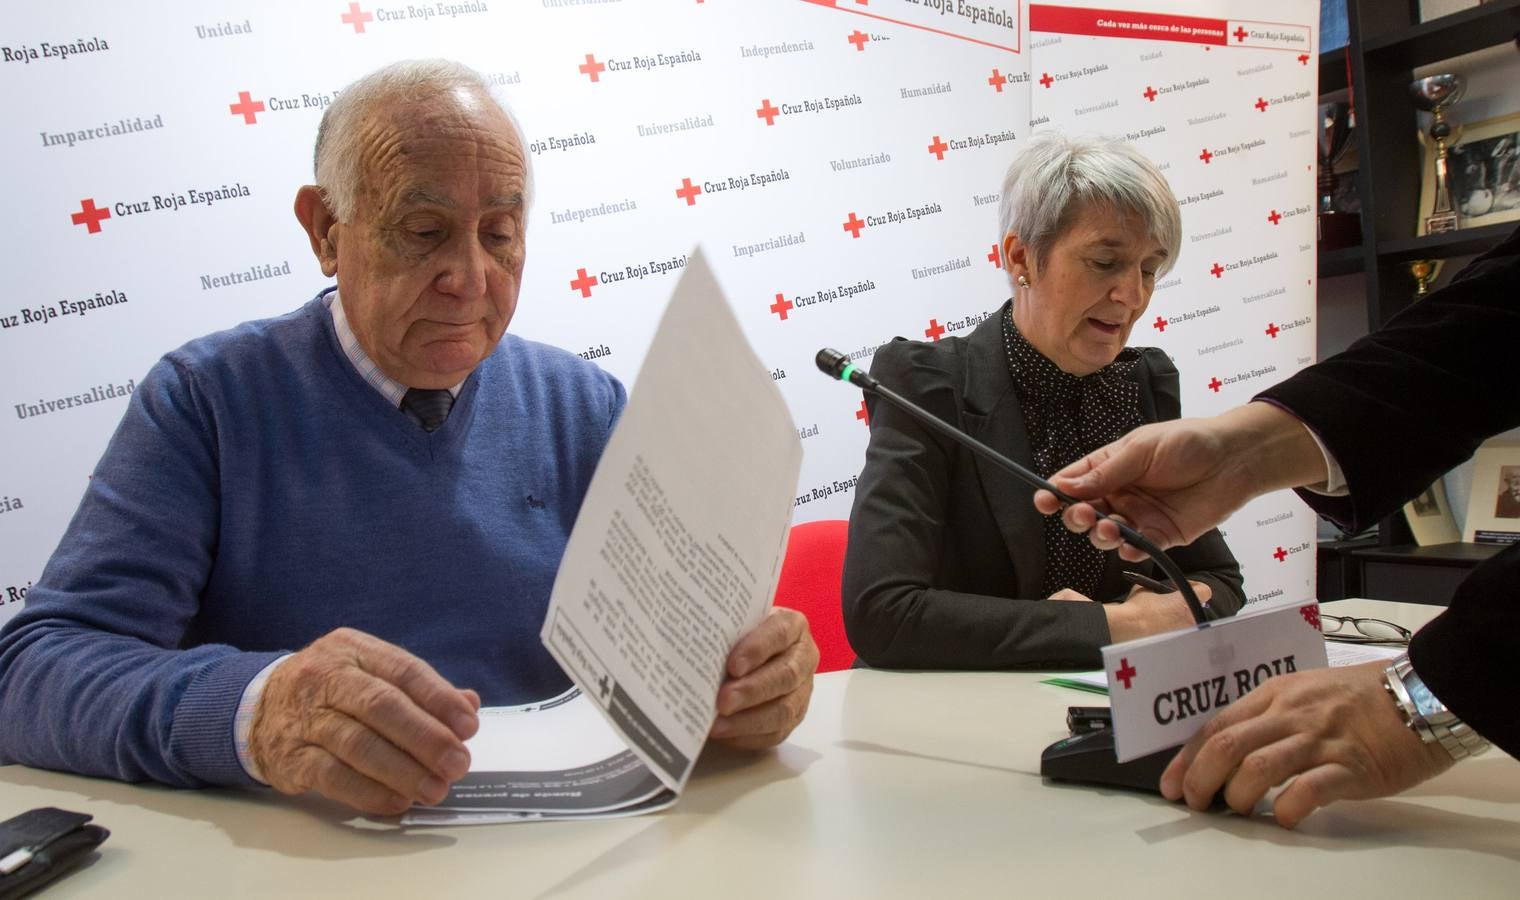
(678, 544)
(549, 760)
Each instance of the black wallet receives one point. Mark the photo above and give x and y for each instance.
(38, 846)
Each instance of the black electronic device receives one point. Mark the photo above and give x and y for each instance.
(1089, 759)
(1082, 719)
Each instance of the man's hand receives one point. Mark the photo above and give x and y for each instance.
(363, 722)
(1145, 613)
(1173, 481)
(770, 680)
(1337, 730)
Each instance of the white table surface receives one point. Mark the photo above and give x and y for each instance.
(898, 785)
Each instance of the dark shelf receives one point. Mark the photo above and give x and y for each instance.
(1447, 36)
(1332, 70)
(1459, 554)
(1345, 261)
(1464, 242)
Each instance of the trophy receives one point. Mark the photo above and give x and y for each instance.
(1434, 95)
(1424, 272)
(1336, 229)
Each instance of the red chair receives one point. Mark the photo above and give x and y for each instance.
(809, 583)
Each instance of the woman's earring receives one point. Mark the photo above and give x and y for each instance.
(1023, 281)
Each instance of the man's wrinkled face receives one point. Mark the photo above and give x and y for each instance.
(429, 268)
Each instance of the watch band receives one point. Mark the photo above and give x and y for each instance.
(1441, 725)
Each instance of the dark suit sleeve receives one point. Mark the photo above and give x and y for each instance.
(1396, 410)
(1207, 559)
(893, 612)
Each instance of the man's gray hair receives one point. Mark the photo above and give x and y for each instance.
(339, 162)
(1055, 175)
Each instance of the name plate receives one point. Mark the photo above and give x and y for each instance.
(1163, 688)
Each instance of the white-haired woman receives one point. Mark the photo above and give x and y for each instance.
(949, 565)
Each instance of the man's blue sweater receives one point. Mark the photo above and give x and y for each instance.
(258, 494)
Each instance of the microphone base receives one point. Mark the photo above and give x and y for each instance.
(1089, 759)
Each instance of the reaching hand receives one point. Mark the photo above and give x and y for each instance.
(770, 682)
(1145, 613)
(1335, 732)
(363, 722)
(1173, 481)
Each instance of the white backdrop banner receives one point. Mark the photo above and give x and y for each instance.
(839, 159)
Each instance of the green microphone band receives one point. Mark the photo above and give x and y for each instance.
(849, 369)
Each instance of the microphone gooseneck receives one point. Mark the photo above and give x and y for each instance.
(836, 365)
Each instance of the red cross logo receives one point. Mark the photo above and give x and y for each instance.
(1215, 384)
(934, 330)
(1159, 324)
(1275, 217)
(858, 38)
(1126, 672)
(781, 306)
(357, 17)
(863, 414)
(1261, 104)
(1150, 93)
(89, 216)
(247, 107)
(854, 225)
(1217, 271)
(1240, 33)
(688, 191)
(995, 257)
(938, 148)
(1272, 330)
(1205, 156)
(997, 80)
(1280, 555)
(767, 112)
(1303, 59)
(583, 282)
(592, 68)
(1045, 79)
(1311, 615)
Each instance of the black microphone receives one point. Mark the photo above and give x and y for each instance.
(836, 365)
(1087, 757)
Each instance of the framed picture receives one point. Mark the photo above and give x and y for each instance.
(1484, 173)
(1430, 519)
(1493, 509)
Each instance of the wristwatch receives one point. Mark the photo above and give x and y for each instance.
(1427, 716)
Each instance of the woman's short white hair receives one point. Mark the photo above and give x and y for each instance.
(339, 162)
(1054, 176)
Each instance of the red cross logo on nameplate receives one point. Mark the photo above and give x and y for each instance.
(89, 216)
(1272, 330)
(592, 68)
(934, 330)
(1240, 34)
(1159, 324)
(1215, 384)
(688, 191)
(583, 282)
(854, 225)
(357, 17)
(781, 306)
(858, 38)
(1303, 59)
(1126, 672)
(767, 112)
(247, 107)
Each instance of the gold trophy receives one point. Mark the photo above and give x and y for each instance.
(1434, 95)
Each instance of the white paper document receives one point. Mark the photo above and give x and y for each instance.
(678, 544)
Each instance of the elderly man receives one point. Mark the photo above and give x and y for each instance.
(382, 476)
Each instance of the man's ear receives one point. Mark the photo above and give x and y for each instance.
(321, 227)
(1016, 257)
